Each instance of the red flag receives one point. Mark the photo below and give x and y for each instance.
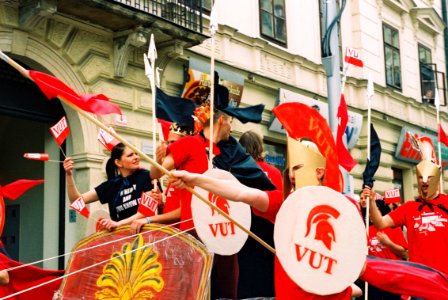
(80, 206)
(148, 205)
(26, 277)
(300, 121)
(345, 159)
(352, 57)
(165, 128)
(37, 156)
(60, 131)
(13, 190)
(392, 196)
(442, 136)
(53, 88)
(106, 139)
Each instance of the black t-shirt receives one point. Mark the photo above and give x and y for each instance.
(122, 194)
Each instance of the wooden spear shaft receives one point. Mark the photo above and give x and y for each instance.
(25, 73)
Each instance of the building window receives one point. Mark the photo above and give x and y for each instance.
(207, 6)
(392, 57)
(427, 74)
(273, 20)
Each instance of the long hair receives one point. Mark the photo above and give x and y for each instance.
(253, 144)
(111, 167)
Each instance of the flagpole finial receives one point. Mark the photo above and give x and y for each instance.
(213, 20)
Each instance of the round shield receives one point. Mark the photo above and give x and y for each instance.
(320, 240)
(219, 234)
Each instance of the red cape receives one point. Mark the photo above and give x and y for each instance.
(27, 277)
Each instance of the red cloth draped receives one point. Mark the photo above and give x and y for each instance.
(54, 88)
(27, 277)
(400, 277)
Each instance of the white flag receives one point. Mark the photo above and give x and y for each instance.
(213, 20)
(370, 88)
(436, 98)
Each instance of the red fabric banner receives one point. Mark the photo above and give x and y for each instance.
(54, 88)
(406, 278)
(148, 205)
(80, 206)
(13, 190)
(60, 131)
(301, 121)
(107, 140)
(345, 159)
(442, 136)
(26, 277)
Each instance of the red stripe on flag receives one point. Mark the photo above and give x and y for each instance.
(352, 57)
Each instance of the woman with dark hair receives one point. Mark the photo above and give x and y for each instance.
(126, 181)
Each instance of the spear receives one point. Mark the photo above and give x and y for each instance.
(26, 74)
(213, 29)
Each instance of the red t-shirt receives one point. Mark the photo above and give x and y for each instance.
(273, 174)
(173, 199)
(427, 231)
(286, 289)
(378, 249)
(276, 196)
(189, 154)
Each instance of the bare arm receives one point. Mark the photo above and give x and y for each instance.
(168, 163)
(227, 189)
(395, 248)
(72, 191)
(380, 222)
(4, 278)
(170, 217)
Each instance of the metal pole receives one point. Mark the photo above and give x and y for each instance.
(331, 63)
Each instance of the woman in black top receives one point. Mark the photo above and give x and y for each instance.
(126, 181)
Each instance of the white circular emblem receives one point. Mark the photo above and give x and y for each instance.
(320, 240)
(220, 235)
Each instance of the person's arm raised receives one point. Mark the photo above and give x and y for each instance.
(224, 188)
(380, 222)
(72, 190)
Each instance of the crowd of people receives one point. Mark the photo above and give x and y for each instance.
(255, 272)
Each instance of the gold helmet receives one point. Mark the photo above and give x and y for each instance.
(305, 154)
(428, 167)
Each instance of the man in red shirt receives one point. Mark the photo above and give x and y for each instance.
(426, 218)
(306, 169)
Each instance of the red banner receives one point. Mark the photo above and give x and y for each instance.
(392, 196)
(80, 206)
(106, 139)
(352, 57)
(60, 131)
(148, 205)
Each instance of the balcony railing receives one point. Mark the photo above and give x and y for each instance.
(185, 13)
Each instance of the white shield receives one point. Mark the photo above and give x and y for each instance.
(220, 235)
(320, 240)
